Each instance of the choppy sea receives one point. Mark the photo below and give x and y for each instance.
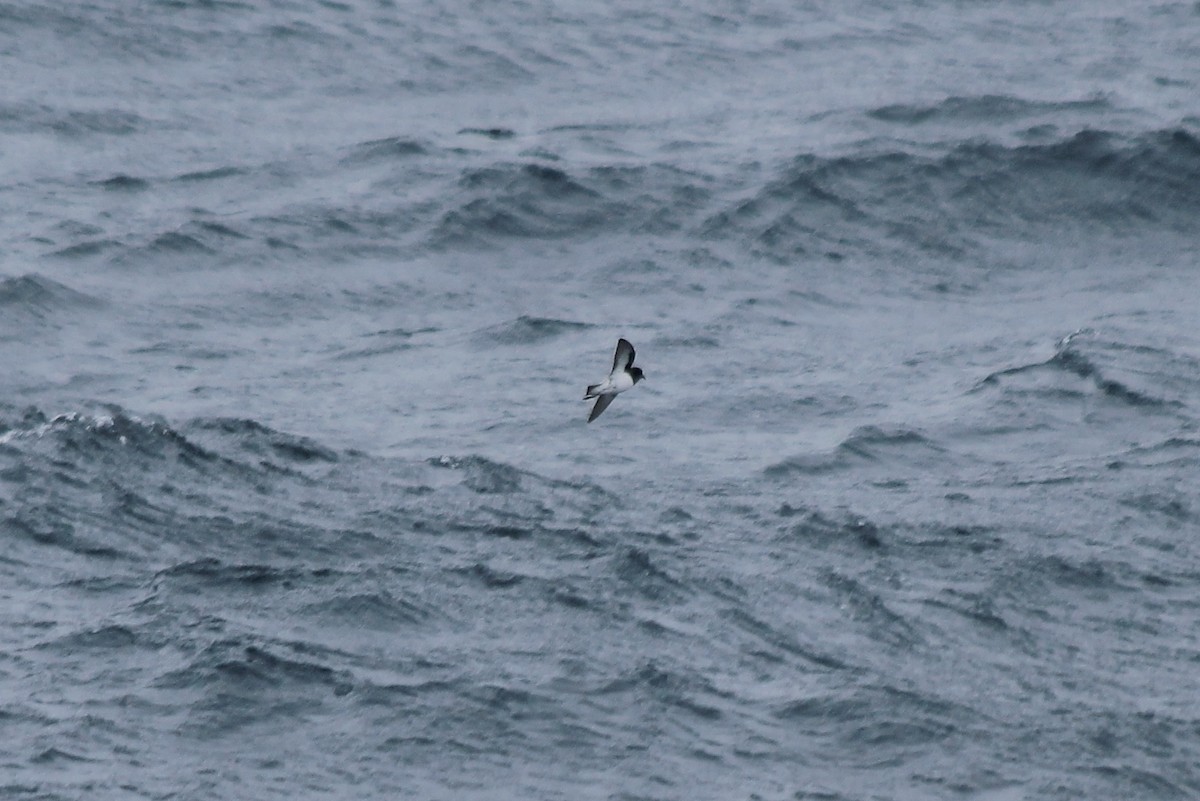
(298, 301)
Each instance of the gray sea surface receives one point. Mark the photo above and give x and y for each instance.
(298, 301)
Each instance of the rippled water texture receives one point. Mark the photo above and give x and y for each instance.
(298, 302)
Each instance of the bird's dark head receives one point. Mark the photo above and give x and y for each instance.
(636, 372)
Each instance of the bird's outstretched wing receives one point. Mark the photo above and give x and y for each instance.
(601, 404)
(623, 358)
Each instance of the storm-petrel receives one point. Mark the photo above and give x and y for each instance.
(623, 376)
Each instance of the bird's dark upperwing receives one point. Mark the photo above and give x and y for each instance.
(601, 404)
(623, 358)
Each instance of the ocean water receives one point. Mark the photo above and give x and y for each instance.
(297, 306)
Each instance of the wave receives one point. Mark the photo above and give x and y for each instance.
(526, 330)
(684, 690)
(381, 610)
(977, 609)
(952, 203)
(391, 148)
(899, 447)
(245, 666)
(1080, 367)
(816, 526)
(383, 343)
(521, 201)
(986, 108)
(1039, 579)
(946, 201)
(33, 296)
(196, 239)
(114, 485)
(1175, 451)
(483, 475)
(57, 528)
(177, 242)
(123, 183)
(535, 201)
(638, 570)
(869, 610)
(491, 578)
(212, 174)
(85, 433)
(491, 133)
(86, 249)
(1169, 508)
(236, 494)
(252, 437)
(777, 638)
(107, 637)
(67, 122)
(212, 573)
(1074, 371)
(56, 756)
(879, 717)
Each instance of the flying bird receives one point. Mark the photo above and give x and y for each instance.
(623, 376)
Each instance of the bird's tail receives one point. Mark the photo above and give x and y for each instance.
(591, 391)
